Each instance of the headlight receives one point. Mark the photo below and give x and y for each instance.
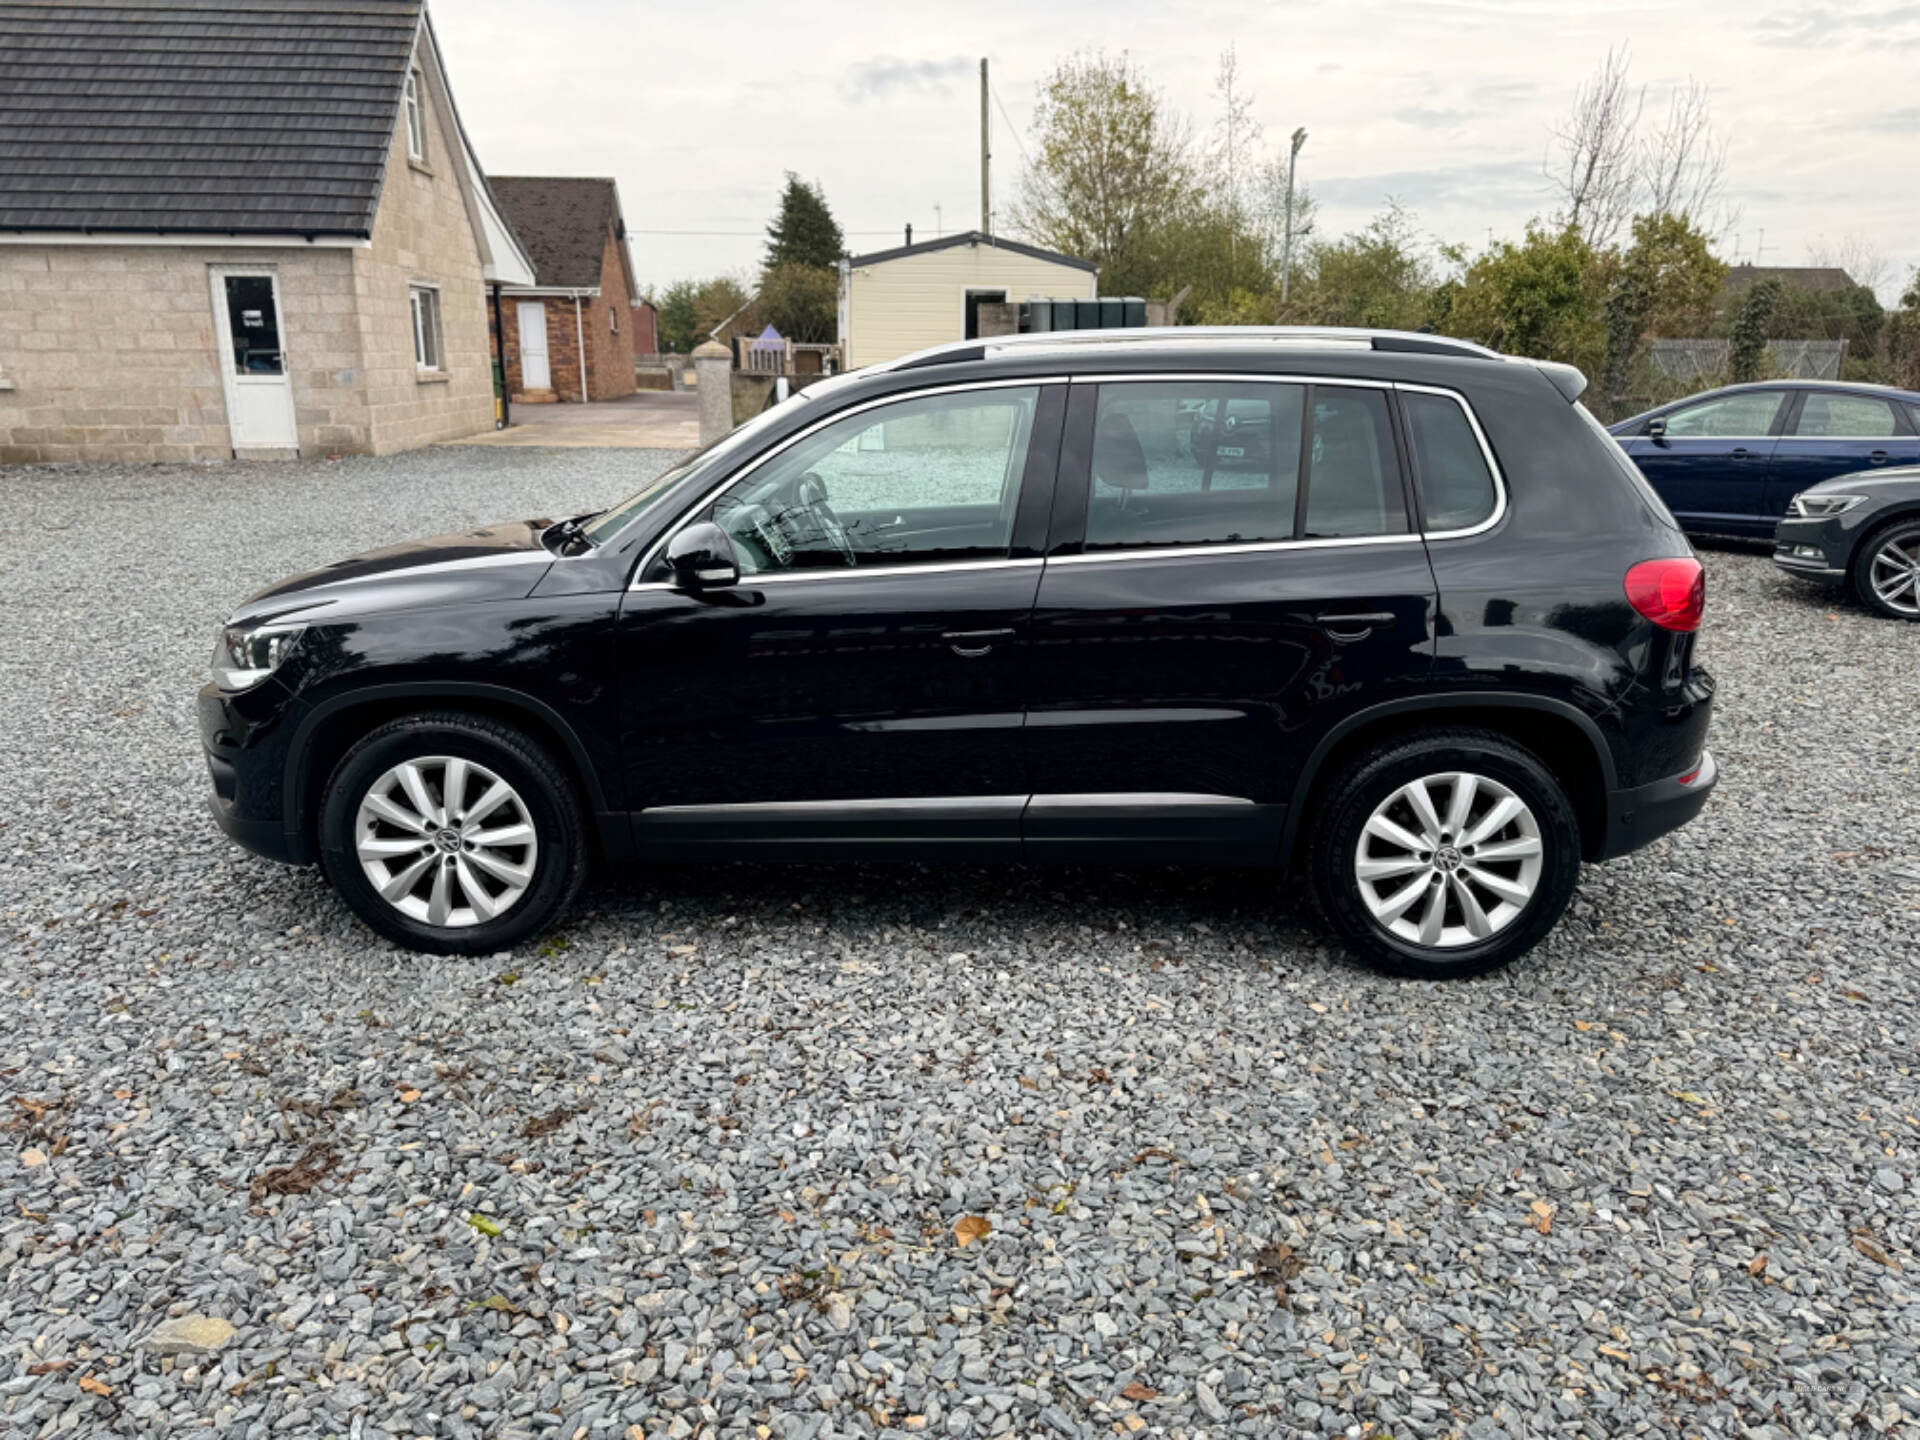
(1821, 507)
(248, 654)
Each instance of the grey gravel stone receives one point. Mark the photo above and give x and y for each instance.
(788, 1085)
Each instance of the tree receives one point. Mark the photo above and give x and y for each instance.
(1749, 347)
(802, 302)
(1902, 346)
(1378, 278)
(1595, 171)
(676, 317)
(1543, 297)
(804, 232)
(1112, 163)
(1236, 134)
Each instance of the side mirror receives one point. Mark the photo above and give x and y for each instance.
(1657, 426)
(702, 558)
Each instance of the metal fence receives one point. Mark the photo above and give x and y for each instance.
(1708, 361)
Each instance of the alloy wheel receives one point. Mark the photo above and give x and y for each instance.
(1449, 860)
(446, 841)
(1894, 573)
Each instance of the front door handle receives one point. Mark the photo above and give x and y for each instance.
(1878, 457)
(1740, 452)
(972, 644)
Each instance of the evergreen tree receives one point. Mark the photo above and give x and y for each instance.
(804, 232)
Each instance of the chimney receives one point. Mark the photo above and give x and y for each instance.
(909, 234)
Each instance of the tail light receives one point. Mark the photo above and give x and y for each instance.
(1670, 593)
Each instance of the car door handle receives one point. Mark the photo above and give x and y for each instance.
(972, 644)
(1878, 457)
(1356, 625)
(1740, 452)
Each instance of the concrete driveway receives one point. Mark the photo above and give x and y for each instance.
(644, 420)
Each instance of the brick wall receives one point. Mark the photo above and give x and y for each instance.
(609, 349)
(423, 234)
(112, 352)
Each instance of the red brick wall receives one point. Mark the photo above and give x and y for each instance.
(609, 349)
(563, 346)
(646, 330)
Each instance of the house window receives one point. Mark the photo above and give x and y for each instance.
(426, 327)
(613, 320)
(416, 122)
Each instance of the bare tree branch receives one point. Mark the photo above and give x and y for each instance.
(1682, 163)
(1595, 169)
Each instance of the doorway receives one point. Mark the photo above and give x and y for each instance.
(534, 372)
(253, 353)
(975, 299)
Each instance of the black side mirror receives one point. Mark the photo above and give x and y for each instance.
(702, 558)
(1657, 426)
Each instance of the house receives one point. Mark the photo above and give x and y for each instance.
(646, 328)
(581, 299)
(245, 228)
(896, 301)
(1818, 278)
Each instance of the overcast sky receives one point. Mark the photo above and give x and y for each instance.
(697, 109)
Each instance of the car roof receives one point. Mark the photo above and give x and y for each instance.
(1889, 392)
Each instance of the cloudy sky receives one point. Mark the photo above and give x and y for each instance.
(1446, 105)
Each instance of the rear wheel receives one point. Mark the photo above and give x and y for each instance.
(1445, 855)
(452, 834)
(1886, 571)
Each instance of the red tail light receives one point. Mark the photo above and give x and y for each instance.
(1670, 593)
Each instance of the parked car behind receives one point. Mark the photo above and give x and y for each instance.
(1727, 462)
(1860, 530)
(984, 603)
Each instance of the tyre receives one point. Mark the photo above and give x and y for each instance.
(1886, 571)
(1445, 855)
(452, 834)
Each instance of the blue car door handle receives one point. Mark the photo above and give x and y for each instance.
(1878, 457)
(1740, 452)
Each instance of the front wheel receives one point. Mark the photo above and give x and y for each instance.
(453, 834)
(1445, 855)
(1886, 572)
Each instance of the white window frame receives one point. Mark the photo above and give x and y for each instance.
(613, 319)
(423, 304)
(416, 118)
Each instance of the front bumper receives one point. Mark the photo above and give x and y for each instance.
(1813, 549)
(1642, 814)
(244, 737)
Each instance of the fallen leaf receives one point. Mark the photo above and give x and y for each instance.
(407, 1097)
(1583, 1024)
(1542, 1217)
(1689, 1097)
(48, 1367)
(32, 1158)
(1758, 1265)
(313, 1166)
(1027, 1082)
(1874, 1253)
(123, 1094)
(485, 1225)
(95, 1387)
(1140, 1392)
(969, 1228)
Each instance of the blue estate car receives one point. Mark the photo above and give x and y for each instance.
(1730, 461)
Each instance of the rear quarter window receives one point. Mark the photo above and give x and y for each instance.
(1457, 489)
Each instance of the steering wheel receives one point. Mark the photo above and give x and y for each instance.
(810, 495)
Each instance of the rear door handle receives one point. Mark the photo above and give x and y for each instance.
(1878, 457)
(1740, 452)
(972, 644)
(1353, 626)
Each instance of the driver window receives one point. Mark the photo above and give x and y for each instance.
(919, 481)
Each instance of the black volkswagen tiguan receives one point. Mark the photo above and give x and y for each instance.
(1427, 647)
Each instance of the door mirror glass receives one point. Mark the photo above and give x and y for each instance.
(701, 557)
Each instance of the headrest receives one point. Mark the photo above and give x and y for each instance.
(1118, 459)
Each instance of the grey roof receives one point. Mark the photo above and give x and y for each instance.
(972, 237)
(562, 221)
(245, 117)
(1794, 277)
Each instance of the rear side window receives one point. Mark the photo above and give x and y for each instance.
(1456, 485)
(1844, 417)
(1217, 463)
(1194, 463)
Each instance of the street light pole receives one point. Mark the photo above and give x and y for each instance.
(1286, 244)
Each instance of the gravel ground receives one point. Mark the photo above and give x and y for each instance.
(704, 1164)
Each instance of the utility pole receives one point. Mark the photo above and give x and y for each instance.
(938, 228)
(1286, 243)
(986, 157)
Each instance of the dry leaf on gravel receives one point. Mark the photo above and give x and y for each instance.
(95, 1387)
(1139, 1392)
(1542, 1219)
(969, 1228)
(303, 1175)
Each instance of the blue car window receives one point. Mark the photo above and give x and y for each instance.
(1852, 417)
(1746, 416)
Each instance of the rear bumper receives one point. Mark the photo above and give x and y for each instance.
(1638, 816)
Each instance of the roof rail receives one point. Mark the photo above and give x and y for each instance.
(1308, 336)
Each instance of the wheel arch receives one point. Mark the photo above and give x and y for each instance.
(1567, 742)
(328, 730)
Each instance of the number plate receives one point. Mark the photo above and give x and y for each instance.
(1231, 452)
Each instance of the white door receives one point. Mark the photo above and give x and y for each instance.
(246, 316)
(534, 374)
